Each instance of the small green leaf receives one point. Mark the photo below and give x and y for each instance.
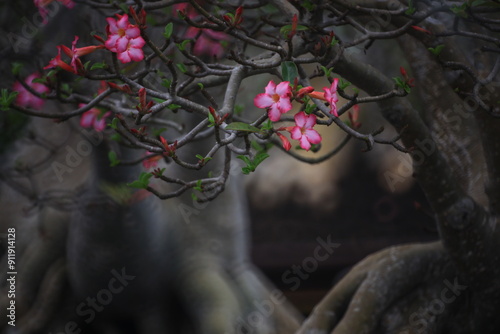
(194, 197)
(240, 126)
(201, 85)
(308, 5)
(437, 50)
(16, 68)
(411, 8)
(285, 30)
(182, 46)
(245, 159)
(327, 71)
(98, 66)
(173, 106)
(114, 123)
(123, 7)
(289, 71)
(169, 28)
(166, 83)
(182, 67)
(116, 137)
(113, 159)
(7, 99)
(143, 181)
(343, 84)
(211, 119)
(259, 158)
(268, 125)
(238, 109)
(157, 132)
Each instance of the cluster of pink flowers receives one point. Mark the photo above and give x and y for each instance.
(124, 39)
(277, 100)
(25, 98)
(207, 42)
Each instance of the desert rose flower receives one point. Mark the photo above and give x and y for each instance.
(25, 98)
(331, 96)
(303, 130)
(276, 99)
(124, 39)
(94, 118)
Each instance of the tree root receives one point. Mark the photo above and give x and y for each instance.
(358, 302)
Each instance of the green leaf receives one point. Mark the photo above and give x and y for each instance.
(201, 85)
(113, 159)
(116, 137)
(16, 68)
(240, 126)
(182, 67)
(259, 158)
(437, 50)
(6, 99)
(411, 9)
(143, 181)
(157, 132)
(123, 7)
(173, 106)
(343, 84)
(211, 119)
(268, 125)
(169, 28)
(289, 71)
(238, 109)
(182, 46)
(308, 5)
(460, 10)
(245, 159)
(285, 30)
(98, 66)
(327, 71)
(114, 123)
(166, 83)
(310, 108)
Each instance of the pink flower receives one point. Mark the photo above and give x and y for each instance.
(25, 98)
(303, 131)
(276, 99)
(206, 41)
(74, 53)
(284, 141)
(151, 162)
(41, 4)
(94, 118)
(124, 39)
(331, 96)
(57, 62)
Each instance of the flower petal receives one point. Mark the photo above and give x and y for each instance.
(274, 113)
(296, 133)
(310, 121)
(87, 119)
(300, 119)
(270, 88)
(136, 54)
(304, 143)
(284, 104)
(313, 136)
(283, 89)
(263, 101)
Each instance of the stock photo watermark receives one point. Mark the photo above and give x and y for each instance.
(95, 304)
